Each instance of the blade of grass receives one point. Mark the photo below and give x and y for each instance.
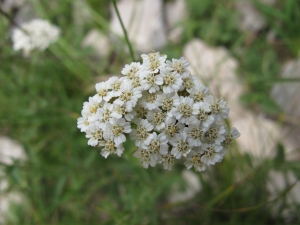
(124, 30)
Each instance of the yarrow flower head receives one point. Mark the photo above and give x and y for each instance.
(164, 109)
(36, 34)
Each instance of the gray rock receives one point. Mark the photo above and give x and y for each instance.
(9, 150)
(98, 41)
(176, 12)
(81, 14)
(21, 11)
(215, 68)
(144, 23)
(192, 187)
(287, 94)
(251, 19)
(9, 5)
(277, 183)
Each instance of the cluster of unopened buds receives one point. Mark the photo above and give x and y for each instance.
(164, 109)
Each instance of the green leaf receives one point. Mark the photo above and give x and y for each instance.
(280, 155)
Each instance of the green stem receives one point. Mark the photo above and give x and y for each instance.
(124, 30)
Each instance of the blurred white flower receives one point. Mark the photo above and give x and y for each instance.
(36, 34)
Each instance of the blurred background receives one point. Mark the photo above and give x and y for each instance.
(245, 51)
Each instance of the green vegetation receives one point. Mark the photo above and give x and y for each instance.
(65, 181)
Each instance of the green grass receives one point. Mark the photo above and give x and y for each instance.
(66, 182)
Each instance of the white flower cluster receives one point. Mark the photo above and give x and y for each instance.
(36, 34)
(163, 108)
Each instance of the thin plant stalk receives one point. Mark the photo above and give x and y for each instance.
(10, 19)
(124, 30)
